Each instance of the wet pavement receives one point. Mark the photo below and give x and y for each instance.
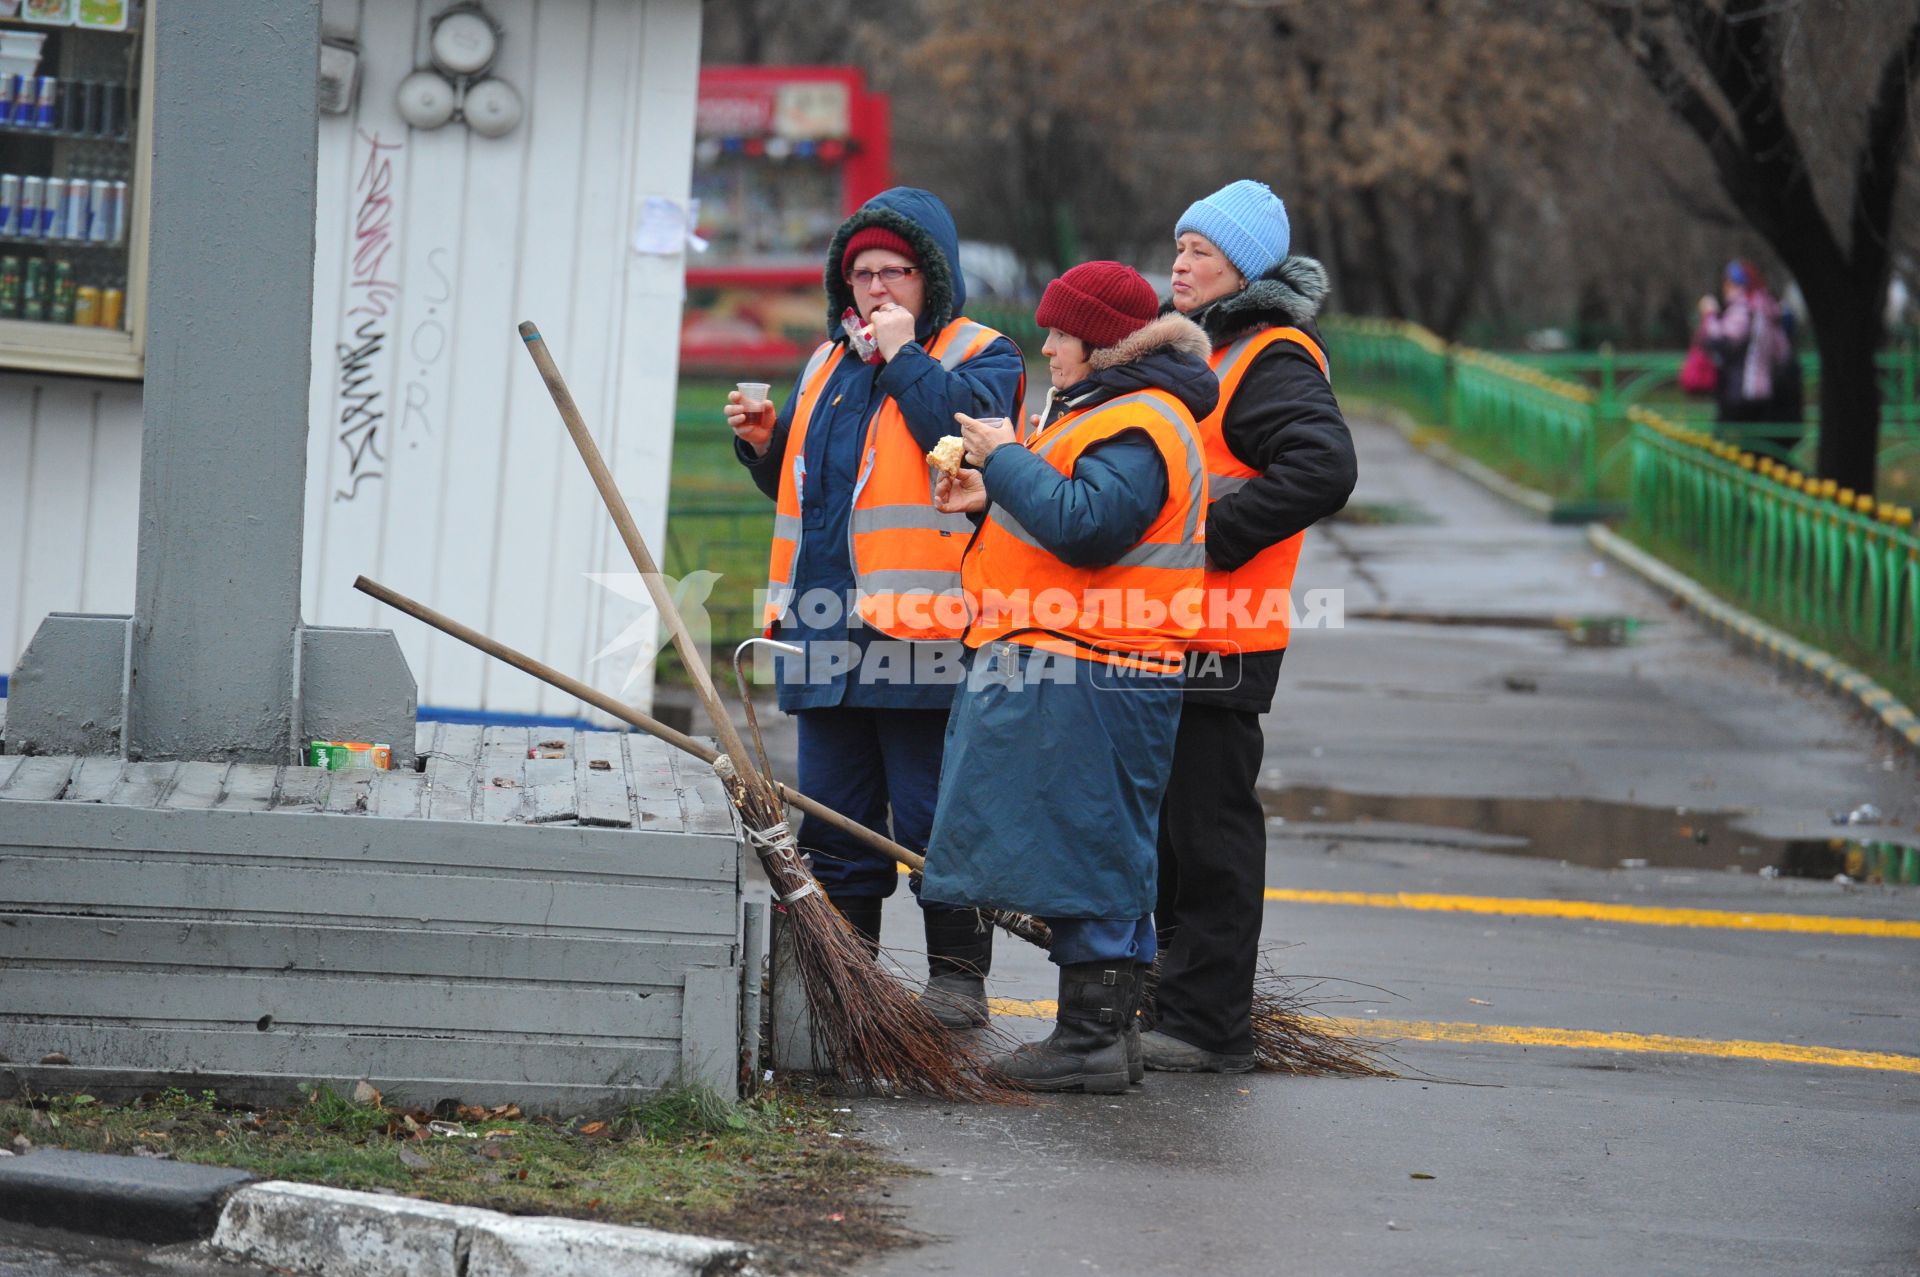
(1459, 745)
(42, 1252)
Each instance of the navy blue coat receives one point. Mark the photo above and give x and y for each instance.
(928, 395)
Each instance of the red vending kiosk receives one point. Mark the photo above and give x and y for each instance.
(782, 156)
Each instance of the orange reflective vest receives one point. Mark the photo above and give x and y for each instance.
(1138, 612)
(905, 554)
(1247, 609)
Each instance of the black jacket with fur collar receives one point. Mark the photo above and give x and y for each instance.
(1284, 422)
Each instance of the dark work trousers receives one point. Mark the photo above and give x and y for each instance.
(1213, 860)
(863, 763)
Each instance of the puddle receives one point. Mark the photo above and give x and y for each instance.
(1583, 831)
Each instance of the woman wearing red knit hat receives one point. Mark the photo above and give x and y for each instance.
(1082, 584)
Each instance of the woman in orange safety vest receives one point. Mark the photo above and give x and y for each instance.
(1278, 458)
(1082, 584)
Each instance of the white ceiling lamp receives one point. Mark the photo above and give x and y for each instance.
(463, 43)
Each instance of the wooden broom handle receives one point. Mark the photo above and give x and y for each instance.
(616, 504)
(624, 712)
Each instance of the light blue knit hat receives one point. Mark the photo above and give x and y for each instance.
(1246, 221)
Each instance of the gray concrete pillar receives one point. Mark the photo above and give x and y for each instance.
(215, 663)
(223, 458)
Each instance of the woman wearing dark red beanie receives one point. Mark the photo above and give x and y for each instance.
(864, 574)
(1082, 581)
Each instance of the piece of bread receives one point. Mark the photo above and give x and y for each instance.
(948, 454)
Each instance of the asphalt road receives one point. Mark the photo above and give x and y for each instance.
(39, 1252)
(1681, 1131)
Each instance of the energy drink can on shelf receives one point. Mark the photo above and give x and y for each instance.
(119, 205)
(33, 193)
(86, 307)
(46, 103)
(9, 203)
(9, 288)
(23, 102)
(7, 90)
(113, 305)
(33, 290)
(60, 307)
(100, 212)
(53, 210)
(77, 192)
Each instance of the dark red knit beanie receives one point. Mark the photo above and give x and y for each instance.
(875, 237)
(1101, 303)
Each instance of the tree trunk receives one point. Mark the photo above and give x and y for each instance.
(1847, 324)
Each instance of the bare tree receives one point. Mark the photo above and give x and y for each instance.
(1746, 76)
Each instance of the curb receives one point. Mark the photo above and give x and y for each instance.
(135, 1198)
(337, 1233)
(1781, 648)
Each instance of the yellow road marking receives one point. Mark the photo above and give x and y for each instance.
(1595, 911)
(1576, 1039)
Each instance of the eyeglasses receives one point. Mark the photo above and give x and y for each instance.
(886, 275)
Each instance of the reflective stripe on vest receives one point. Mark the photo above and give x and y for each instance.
(905, 553)
(1137, 611)
(1247, 609)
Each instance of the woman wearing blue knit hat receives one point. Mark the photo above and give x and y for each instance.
(1278, 458)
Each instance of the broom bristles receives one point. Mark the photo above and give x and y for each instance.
(875, 1035)
(1290, 1034)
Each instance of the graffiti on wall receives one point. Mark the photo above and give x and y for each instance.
(372, 291)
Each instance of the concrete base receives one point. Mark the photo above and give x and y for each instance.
(794, 1047)
(70, 691)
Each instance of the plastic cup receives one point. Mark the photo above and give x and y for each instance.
(754, 398)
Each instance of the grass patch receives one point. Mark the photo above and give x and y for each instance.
(773, 1171)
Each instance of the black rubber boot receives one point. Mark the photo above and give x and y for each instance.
(864, 913)
(1087, 1050)
(959, 956)
(1136, 1067)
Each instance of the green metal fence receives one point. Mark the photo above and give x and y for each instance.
(1840, 569)
(1545, 431)
(1841, 566)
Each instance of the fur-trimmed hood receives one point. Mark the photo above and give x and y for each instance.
(1169, 332)
(920, 218)
(1168, 354)
(1289, 295)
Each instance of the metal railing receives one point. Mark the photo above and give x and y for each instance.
(1839, 568)
(1842, 566)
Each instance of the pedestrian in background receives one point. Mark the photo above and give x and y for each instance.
(1087, 562)
(1758, 393)
(865, 573)
(1279, 458)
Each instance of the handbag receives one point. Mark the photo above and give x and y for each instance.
(1698, 376)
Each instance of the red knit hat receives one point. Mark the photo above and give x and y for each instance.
(875, 237)
(1101, 303)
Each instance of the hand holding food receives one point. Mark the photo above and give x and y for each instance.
(962, 492)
